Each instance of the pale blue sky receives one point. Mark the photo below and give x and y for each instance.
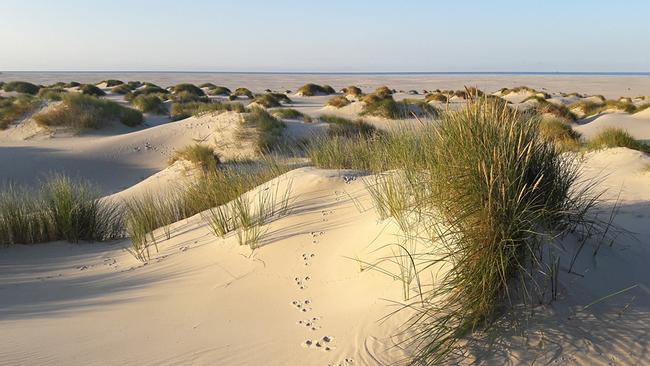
(333, 35)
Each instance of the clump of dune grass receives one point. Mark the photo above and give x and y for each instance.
(183, 110)
(112, 82)
(151, 103)
(544, 107)
(560, 134)
(60, 209)
(353, 91)
(219, 90)
(52, 94)
(217, 187)
(383, 105)
(187, 97)
(269, 130)
(122, 89)
(309, 90)
(339, 126)
(202, 156)
(290, 113)
(243, 92)
(642, 107)
(146, 90)
(436, 97)
(616, 137)
(87, 112)
(271, 100)
(14, 108)
(590, 108)
(21, 87)
(187, 88)
(491, 199)
(89, 89)
(338, 101)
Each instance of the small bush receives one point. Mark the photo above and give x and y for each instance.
(13, 108)
(616, 137)
(309, 90)
(21, 87)
(202, 156)
(84, 112)
(151, 103)
(89, 89)
(338, 101)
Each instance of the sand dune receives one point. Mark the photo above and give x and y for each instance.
(638, 124)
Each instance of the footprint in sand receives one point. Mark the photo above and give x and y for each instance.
(306, 257)
(323, 344)
(302, 282)
(302, 305)
(314, 235)
(311, 324)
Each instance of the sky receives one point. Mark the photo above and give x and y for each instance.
(325, 36)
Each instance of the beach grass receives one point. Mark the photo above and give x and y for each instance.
(14, 108)
(311, 89)
(90, 89)
(559, 133)
(21, 87)
(87, 112)
(151, 103)
(290, 113)
(204, 157)
(616, 137)
(269, 130)
(184, 110)
(338, 101)
(60, 209)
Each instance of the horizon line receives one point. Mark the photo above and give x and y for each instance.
(547, 73)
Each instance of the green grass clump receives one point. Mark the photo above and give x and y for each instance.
(310, 90)
(269, 130)
(586, 107)
(491, 198)
(436, 97)
(112, 82)
(242, 92)
(21, 87)
(146, 90)
(202, 156)
(89, 89)
(87, 112)
(290, 113)
(270, 100)
(210, 191)
(544, 107)
(183, 110)
(616, 137)
(353, 91)
(53, 94)
(187, 88)
(122, 89)
(219, 90)
(339, 126)
(151, 103)
(61, 209)
(13, 108)
(559, 133)
(338, 101)
(642, 107)
(590, 108)
(187, 97)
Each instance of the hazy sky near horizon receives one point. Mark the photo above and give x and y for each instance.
(333, 35)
